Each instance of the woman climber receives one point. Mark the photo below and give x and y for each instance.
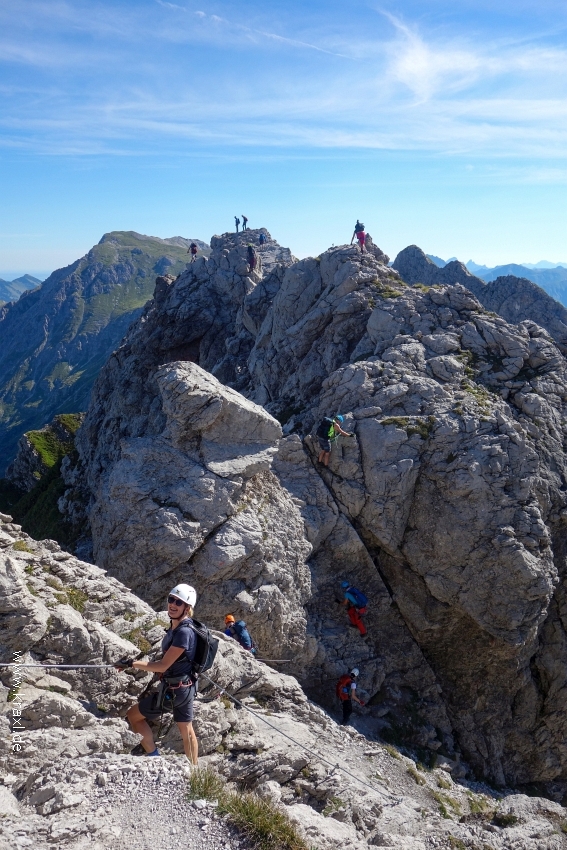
(178, 682)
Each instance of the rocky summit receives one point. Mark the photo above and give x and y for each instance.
(55, 338)
(447, 505)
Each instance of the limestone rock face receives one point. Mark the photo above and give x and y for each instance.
(73, 782)
(446, 505)
(202, 492)
(515, 299)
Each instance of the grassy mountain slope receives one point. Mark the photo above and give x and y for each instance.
(54, 339)
(39, 456)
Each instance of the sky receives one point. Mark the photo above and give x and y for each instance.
(441, 124)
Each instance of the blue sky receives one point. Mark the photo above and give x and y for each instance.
(442, 124)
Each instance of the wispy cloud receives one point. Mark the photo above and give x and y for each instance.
(251, 32)
(145, 81)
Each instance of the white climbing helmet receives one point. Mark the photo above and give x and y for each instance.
(186, 593)
(355, 671)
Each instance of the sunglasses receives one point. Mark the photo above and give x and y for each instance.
(173, 600)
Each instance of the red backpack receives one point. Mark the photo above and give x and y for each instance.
(344, 685)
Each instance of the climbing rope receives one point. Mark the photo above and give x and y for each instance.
(237, 702)
(293, 740)
(64, 666)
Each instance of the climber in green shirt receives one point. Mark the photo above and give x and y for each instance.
(327, 432)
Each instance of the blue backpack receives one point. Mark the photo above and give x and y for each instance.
(361, 599)
(243, 635)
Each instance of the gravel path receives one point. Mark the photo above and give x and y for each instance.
(149, 806)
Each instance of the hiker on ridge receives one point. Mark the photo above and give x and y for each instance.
(360, 235)
(327, 433)
(346, 692)
(358, 228)
(237, 629)
(251, 257)
(356, 604)
(178, 682)
(244, 223)
(262, 238)
(193, 251)
(237, 223)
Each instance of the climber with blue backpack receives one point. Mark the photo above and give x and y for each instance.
(327, 432)
(237, 629)
(356, 603)
(188, 649)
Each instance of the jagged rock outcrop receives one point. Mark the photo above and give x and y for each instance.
(415, 266)
(55, 338)
(516, 299)
(447, 505)
(204, 488)
(552, 280)
(39, 451)
(73, 783)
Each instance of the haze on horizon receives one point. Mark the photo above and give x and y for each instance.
(444, 126)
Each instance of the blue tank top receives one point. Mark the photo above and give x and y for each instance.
(183, 636)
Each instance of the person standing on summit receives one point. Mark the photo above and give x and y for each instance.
(244, 223)
(237, 223)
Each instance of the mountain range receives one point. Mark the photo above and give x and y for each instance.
(550, 276)
(55, 338)
(10, 290)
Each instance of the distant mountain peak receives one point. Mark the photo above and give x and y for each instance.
(10, 290)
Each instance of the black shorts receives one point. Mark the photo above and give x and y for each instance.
(180, 700)
(325, 444)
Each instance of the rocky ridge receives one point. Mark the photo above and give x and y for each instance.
(456, 414)
(514, 298)
(73, 783)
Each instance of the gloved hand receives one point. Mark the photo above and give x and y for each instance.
(123, 663)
